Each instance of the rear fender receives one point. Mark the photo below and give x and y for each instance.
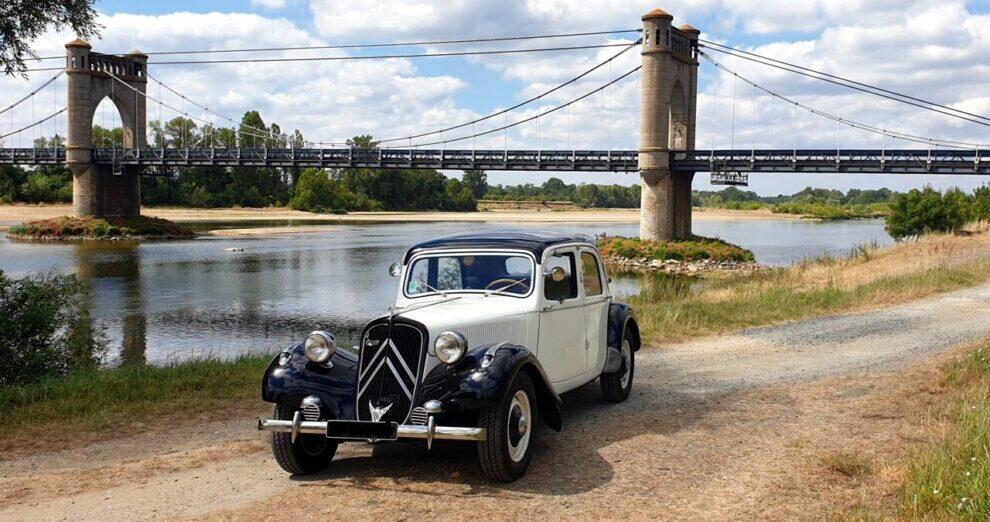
(482, 377)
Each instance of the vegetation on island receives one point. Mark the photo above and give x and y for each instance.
(136, 227)
(694, 249)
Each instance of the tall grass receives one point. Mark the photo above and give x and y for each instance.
(103, 401)
(719, 305)
(950, 479)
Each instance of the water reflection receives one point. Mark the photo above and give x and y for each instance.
(167, 300)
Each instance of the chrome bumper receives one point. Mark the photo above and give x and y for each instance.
(429, 433)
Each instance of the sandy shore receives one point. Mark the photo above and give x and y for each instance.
(14, 214)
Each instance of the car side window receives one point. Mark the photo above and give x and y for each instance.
(591, 276)
(566, 288)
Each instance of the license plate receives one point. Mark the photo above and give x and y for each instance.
(362, 430)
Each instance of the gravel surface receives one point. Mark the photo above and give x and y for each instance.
(727, 426)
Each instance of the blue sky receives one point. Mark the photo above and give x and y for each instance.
(933, 49)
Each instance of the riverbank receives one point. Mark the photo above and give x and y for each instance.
(668, 309)
(15, 214)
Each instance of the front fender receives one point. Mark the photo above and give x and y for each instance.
(333, 383)
(481, 378)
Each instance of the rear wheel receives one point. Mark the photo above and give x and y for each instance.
(510, 425)
(617, 385)
(308, 454)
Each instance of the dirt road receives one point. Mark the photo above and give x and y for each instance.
(745, 426)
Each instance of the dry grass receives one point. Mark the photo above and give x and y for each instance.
(849, 464)
(869, 278)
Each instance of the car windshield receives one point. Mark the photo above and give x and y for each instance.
(510, 273)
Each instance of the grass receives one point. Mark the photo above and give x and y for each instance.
(90, 405)
(950, 479)
(669, 309)
(101, 228)
(849, 464)
(687, 250)
(829, 211)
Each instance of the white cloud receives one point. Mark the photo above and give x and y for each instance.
(936, 50)
(269, 4)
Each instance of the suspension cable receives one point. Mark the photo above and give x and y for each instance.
(39, 122)
(531, 118)
(377, 45)
(32, 93)
(851, 123)
(851, 84)
(523, 103)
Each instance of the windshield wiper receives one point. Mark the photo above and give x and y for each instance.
(394, 311)
(502, 289)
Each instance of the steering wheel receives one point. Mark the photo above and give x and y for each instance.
(499, 283)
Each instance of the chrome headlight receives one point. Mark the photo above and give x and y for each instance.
(319, 346)
(450, 347)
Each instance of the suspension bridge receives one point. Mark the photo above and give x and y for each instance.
(106, 180)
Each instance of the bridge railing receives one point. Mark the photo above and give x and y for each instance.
(32, 156)
(893, 161)
(575, 160)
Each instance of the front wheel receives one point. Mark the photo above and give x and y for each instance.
(617, 385)
(308, 454)
(510, 425)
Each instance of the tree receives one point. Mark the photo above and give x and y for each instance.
(923, 211)
(477, 181)
(22, 21)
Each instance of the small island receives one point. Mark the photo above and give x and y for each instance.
(94, 228)
(678, 257)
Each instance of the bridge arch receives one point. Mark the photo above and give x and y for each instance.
(99, 190)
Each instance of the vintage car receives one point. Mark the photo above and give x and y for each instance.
(487, 331)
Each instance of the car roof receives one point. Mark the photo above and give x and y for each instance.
(531, 240)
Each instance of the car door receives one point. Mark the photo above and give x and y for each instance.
(596, 303)
(561, 339)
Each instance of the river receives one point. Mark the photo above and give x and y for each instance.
(164, 301)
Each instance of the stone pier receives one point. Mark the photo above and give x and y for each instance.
(100, 190)
(669, 107)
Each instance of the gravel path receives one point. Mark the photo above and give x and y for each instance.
(726, 426)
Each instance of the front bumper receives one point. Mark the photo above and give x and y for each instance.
(429, 433)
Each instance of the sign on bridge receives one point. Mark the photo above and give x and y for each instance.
(724, 177)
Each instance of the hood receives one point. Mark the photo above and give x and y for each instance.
(482, 320)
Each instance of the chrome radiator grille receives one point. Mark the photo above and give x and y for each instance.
(388, 372)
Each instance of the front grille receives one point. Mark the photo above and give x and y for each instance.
(419, 417)
(388, 372)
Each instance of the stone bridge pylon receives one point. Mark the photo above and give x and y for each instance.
(103, 190)
(668, 108)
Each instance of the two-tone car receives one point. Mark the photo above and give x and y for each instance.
(488, 329)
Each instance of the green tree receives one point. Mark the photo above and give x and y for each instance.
(23, 21)
(477, 181)
(981, 203)
(923, 211)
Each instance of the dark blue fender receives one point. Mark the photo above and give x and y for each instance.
(621, 315)
(474, 383)
(333, 383)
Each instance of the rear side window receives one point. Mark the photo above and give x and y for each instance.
(560, 290)
(591, 277)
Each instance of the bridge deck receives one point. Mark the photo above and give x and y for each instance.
(897, 161)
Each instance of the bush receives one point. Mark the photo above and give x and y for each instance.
(923, 211)
(45, 329)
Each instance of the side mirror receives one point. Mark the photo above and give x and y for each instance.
(395, 270)
(557, 274)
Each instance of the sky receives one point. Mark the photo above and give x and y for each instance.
(933, 49)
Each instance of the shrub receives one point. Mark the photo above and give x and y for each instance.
(45, 329)
(923, 211)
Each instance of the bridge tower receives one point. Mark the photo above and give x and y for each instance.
(669, 96)
(102, 190)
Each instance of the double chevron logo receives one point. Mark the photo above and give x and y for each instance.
(388, 359)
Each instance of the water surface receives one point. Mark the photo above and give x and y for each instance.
(170, 300)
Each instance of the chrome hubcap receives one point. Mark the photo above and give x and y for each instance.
(517, 426)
